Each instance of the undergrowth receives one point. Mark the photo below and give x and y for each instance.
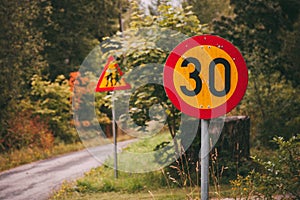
(16, 158)
(264, 182)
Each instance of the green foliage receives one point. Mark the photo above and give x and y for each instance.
(14, 157)
(101, 180)
(290, 53)
(281, 173)
(179, 19)
(76, 27)
(258, 29)
(21, 44)
(243, 187)
(47, 38)
(26, 131)
(147, 42)
(51, 101)
(182, 20)
(140, 49)
(269, 100)
(278, 175)
(83, 101)
(138, 17)
(207, 10)
(255, 29)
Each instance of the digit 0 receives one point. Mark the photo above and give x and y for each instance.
(212, 68)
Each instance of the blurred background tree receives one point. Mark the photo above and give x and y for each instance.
(22, 44)
(76, 28)
(47, 38)
(207, 10)
(259, 30)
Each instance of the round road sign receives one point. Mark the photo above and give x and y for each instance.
(205, 76)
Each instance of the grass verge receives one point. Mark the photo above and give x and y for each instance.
(99, 183)
(16, 158)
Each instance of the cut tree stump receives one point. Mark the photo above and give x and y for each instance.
(234, 140)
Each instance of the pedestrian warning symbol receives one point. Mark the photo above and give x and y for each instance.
(111, 77)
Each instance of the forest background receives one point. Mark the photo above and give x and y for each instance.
(43, 42)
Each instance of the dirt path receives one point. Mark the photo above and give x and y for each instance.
(39, 179)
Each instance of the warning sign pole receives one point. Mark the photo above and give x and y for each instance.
(111, 80)
(114, 136)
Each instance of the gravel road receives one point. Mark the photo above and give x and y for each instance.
(39, 179)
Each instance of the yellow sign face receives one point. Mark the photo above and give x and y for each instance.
(111, 79)
(205, 77)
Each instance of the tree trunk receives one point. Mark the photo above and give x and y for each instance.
(234, 140)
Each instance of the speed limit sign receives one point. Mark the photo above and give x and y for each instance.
(205, 76)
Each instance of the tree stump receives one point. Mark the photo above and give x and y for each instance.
(230, 155)
(234, 141)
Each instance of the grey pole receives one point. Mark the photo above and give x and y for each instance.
(204, 160)
(114, 137)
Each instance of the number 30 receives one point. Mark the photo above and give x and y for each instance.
(212, 66)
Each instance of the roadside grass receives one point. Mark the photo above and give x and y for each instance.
(99, 183)
(158, 194)
(16, 158)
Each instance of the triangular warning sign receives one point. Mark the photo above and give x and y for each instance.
(111, 78)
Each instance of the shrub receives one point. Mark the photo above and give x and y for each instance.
(243, 187)
(26, 131)
(108, 186)
(51, 102)
(279, 175)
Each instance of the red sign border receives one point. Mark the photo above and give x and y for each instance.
(107, 89)
(210, 40)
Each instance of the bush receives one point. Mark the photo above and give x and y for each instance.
(26, 131)
(51, 102)
(280, 175)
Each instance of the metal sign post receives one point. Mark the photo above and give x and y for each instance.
(114, 136)
(111, 80)
(218, 64)
(204, 160)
